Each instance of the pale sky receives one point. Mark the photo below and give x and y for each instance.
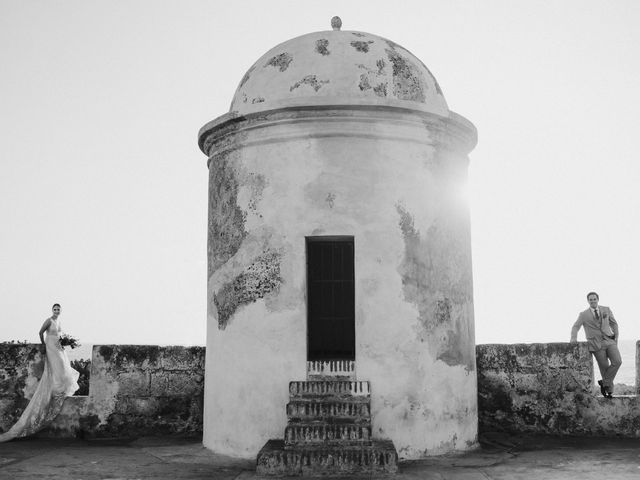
(103, 190)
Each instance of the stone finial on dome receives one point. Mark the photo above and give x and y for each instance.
(336, 23)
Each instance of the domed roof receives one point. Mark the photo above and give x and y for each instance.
(338, 68)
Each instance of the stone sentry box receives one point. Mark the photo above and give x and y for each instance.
(342, 135)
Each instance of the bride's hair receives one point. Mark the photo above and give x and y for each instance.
(56, 305)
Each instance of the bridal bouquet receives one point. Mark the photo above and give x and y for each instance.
(68, 341)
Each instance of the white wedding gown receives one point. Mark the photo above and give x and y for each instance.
(58, 381)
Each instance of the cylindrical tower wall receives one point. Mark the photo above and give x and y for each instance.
(393, 179)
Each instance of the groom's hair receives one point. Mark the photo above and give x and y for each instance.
(56, 305)
(593, 293)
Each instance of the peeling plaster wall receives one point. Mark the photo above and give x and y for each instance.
(133, 390)
(392, 180)
(338, 68)
(548, 388)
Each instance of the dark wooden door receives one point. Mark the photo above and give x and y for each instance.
(331, 331)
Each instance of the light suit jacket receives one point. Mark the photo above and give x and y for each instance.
(593, 328)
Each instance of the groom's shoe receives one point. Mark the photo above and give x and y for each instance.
(603, 389)
(608, 392)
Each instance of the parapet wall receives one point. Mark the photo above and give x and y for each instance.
(20, 368)
(133, 390)
(149, 390)
(548, 388)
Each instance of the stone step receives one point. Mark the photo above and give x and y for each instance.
(339, 390)
(329, 412)
(321, 433)
(331, 370)
(379, 458)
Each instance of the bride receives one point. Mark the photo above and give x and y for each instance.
(58, 381)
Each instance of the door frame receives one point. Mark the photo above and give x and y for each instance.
(321, 239)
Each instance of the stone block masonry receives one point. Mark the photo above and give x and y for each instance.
(638, 367)
(21, 366)
(548, 388)
(148, 390)
(134, 390)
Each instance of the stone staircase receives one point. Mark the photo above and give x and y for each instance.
(328, 433)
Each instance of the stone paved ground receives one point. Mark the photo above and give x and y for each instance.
(501, 457)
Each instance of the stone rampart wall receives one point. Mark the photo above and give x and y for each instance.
(20, 368)
(133, 390)
(548, 388)
(147, 390)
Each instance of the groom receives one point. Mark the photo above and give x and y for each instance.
(601, 330)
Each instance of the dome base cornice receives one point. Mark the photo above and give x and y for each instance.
(232, 131)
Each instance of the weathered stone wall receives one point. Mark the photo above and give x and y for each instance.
(146, 390)
(133, 390)
(638, 367)
(20, 368)
(548, 388)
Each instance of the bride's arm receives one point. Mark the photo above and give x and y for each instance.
(44, 328)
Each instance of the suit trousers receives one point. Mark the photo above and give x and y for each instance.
(609, 361)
